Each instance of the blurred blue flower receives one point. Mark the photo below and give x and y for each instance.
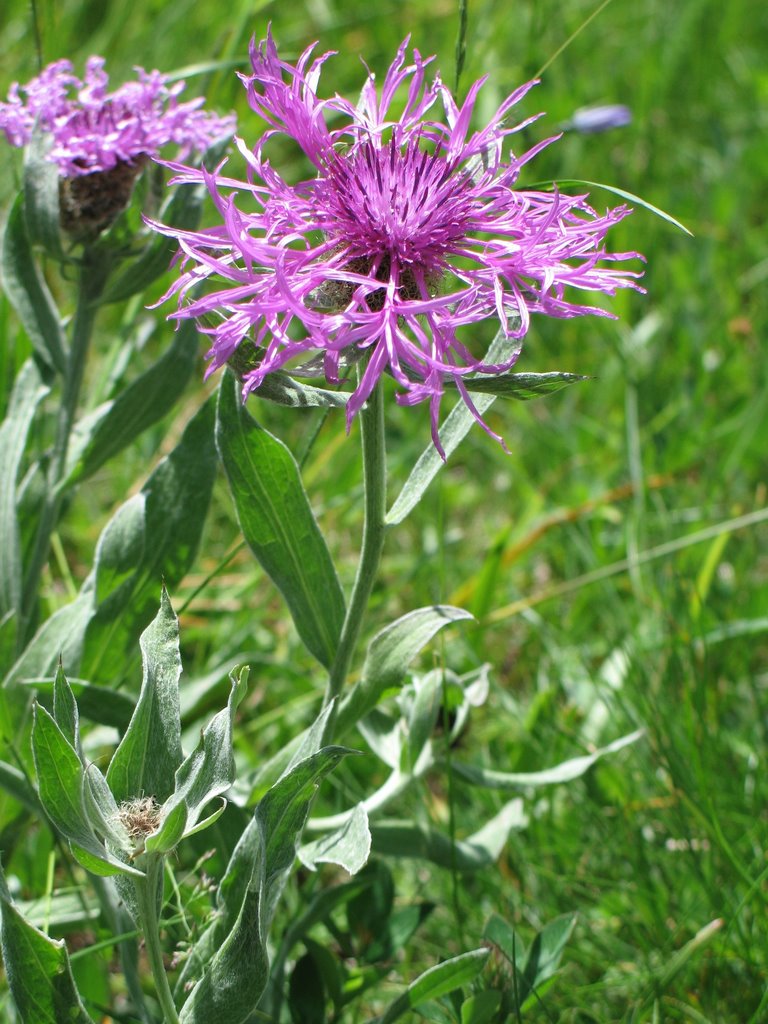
(589, 120)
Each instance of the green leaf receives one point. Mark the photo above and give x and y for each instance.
(629, 196)
(389, 654)
(476, 852)
(507, 941)
(96, 703)
(232, 954)
(41, 194)
(349, 846)
(61, 782)
(481, 1007)
(28, 392)
(279, 525)
(545, 953)
(567, 771)
(522, 386)
(455, 428)
(283, 389)
(59, 637)
(422, 717)
(146, 400)
(153, 536)
(38, 970)
(436, 982)
(149, 753)
(29, 293)
(65, 712)
(15, 782)
(306, 992)
(208, 772)
(161, 538)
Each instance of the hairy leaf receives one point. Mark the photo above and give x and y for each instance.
(38, 970)
(146, 760)
(279, 525)
(564, 772)
(29, 293)
(28, 392)
(389, 654)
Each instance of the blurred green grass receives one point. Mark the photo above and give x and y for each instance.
(667, 439)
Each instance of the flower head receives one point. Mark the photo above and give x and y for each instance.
(409, 230)
(94, 130)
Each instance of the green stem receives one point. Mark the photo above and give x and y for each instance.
(375, 486)
(94, 270)
(148, 898)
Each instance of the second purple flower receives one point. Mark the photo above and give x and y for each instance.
(410, 230)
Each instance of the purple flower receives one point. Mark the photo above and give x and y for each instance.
(409, 232)
(589, 120)
(94, 130)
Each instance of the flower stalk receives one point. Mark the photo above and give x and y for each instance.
(148, 898)
(94, 271)
(373, 442)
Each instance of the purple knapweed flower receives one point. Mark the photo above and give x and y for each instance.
(409, 230)
(94, 130)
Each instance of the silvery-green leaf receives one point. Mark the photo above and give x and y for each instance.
(455, 428)
(28, 392)
(389, 654)
(29, 294)
(38, 970)
(208, 772)
(566, 771)
(349, 846)
(230, 962)
(149, 753)
(61, 782)
(476, 852)
(278, 523)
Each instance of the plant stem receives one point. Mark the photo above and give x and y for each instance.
(148, 893)
(94, 270)
(375, 488)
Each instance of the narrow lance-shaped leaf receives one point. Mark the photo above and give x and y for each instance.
(143, 402)
(38, 970)
(153, 536)
(436, 982)
(282, 389)
(146, 760)
(566, 771)
(65, 712)
(41, 194)
(29, 293)
(28, 392)
(278, 523)
(523, 386)
(455, 428)
(389, 654)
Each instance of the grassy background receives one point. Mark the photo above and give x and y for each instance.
(591, 625)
